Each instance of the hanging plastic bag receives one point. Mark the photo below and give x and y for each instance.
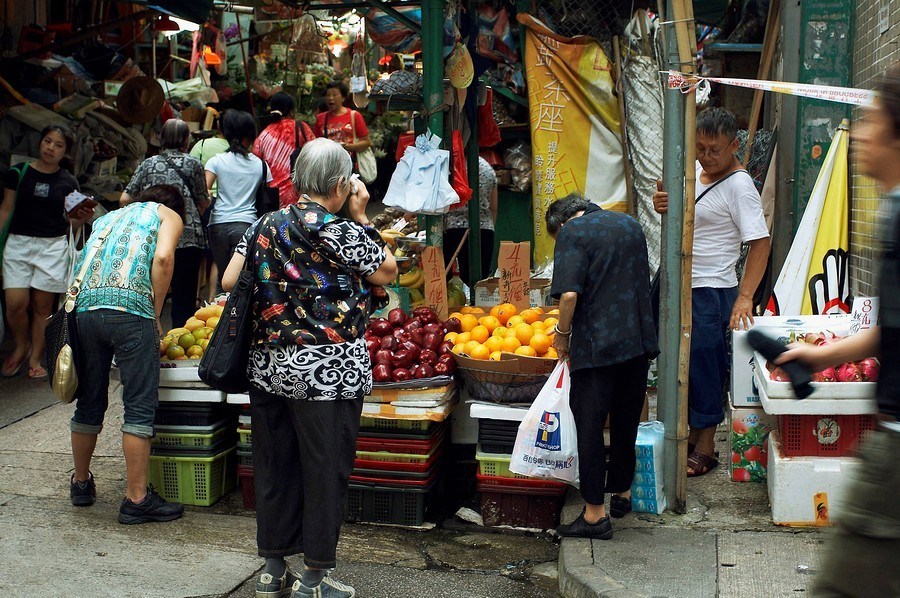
(460, 176)
(546, 443)
(421, 181)
(518, 159)
(488, 132)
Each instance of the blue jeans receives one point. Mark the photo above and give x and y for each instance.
(133, 340)
(711, 317)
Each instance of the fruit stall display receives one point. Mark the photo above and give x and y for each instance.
(404, 348)
(188, 342)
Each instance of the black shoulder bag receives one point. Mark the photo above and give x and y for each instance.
(224, 363)
(266, 197)
(654, 285)
(297, 147)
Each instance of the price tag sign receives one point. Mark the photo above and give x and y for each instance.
(864, 314)
(435, 280)
(514, 264)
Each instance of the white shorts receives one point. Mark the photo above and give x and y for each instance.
(40, 263)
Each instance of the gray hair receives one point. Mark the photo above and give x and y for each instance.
(320, 166)
(562, 210)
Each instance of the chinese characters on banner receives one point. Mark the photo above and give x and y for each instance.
(513, 262)
(574, 125)
(435, 280)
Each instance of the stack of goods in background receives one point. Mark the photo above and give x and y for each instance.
(809, 458)
(193, 457)
(402, 439)
(245, 458)
(508, 498)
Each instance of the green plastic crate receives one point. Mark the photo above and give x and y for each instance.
(245, 435)
(496, 465)
(197, 481)
(180, 440)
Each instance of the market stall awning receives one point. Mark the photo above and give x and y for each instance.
(196, 11)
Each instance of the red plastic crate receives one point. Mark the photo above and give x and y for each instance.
(245, 474)
(521, 504)
(525, 483)
(822, 435)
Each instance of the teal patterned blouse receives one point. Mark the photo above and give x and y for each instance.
(118, 276)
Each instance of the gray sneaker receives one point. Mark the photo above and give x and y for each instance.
(268, 586)
(327, 588)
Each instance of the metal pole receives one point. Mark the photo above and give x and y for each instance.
(670, 276)
(475, 248)
(433, 89)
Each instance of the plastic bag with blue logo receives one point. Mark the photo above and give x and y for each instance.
(421, 180)
(546, 444)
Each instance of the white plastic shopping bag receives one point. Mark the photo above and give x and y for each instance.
(421, 180)
(546, 443)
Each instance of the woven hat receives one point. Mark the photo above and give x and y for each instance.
(140, 100)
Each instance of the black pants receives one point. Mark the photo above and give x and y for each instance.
(618, 391)
(452, 237)
(185, 275)
(223, 238)
(303, 454)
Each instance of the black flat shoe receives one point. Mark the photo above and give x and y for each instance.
(619, 506)
(602, 530)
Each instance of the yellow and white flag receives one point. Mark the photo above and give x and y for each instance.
(815, 278)
(575, 138)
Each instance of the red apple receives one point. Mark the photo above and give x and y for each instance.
(412, 325)
(446, 348)
(427, 356)
(452, 325)
(432, 341)
(381, 373)
(417, 337)
(380, 327)
(442, 369)
(389, 343)
(401, 375)
(372, 345)
(412, 347)
(401, 335)
(397, 317)
(402, 359)
(383, 357)
(434, 328)
(424, 371)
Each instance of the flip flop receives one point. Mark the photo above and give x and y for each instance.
(11, 368)
(37, 373)
(700, 464)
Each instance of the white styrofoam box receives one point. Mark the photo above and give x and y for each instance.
(463, 426)
(237, 399)
(838, 391)
(494, 411)
(806, 491)
(180, 377)
(647, 485)
(191, 395)
(817, 405)
(743, 389)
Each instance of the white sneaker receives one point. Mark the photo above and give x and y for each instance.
(327, 588)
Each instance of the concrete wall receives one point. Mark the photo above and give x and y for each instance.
(877, 46)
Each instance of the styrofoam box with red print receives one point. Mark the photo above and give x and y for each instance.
(806, 491)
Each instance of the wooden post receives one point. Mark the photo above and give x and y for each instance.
(617, 55)
(765, 63)
(687, 52)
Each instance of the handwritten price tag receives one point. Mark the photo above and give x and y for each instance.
(435, 280)
(514, 264)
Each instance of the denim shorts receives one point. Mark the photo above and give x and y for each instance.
(133, 341)
(711, 317)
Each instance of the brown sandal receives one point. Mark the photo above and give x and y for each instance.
(700, 464)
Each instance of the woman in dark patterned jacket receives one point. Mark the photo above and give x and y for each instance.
(318, 278)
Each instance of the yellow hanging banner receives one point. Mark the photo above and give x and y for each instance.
(575, 142)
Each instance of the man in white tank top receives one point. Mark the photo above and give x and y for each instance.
(728, 212)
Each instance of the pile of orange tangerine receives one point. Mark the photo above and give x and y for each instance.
(486, 335)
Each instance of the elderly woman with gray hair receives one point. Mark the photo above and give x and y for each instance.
(318, 278)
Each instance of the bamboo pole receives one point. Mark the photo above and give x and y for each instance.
(687, 52)
(629, 189)
(765, 63)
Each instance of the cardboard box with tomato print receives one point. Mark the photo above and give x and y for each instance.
(748, 432)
